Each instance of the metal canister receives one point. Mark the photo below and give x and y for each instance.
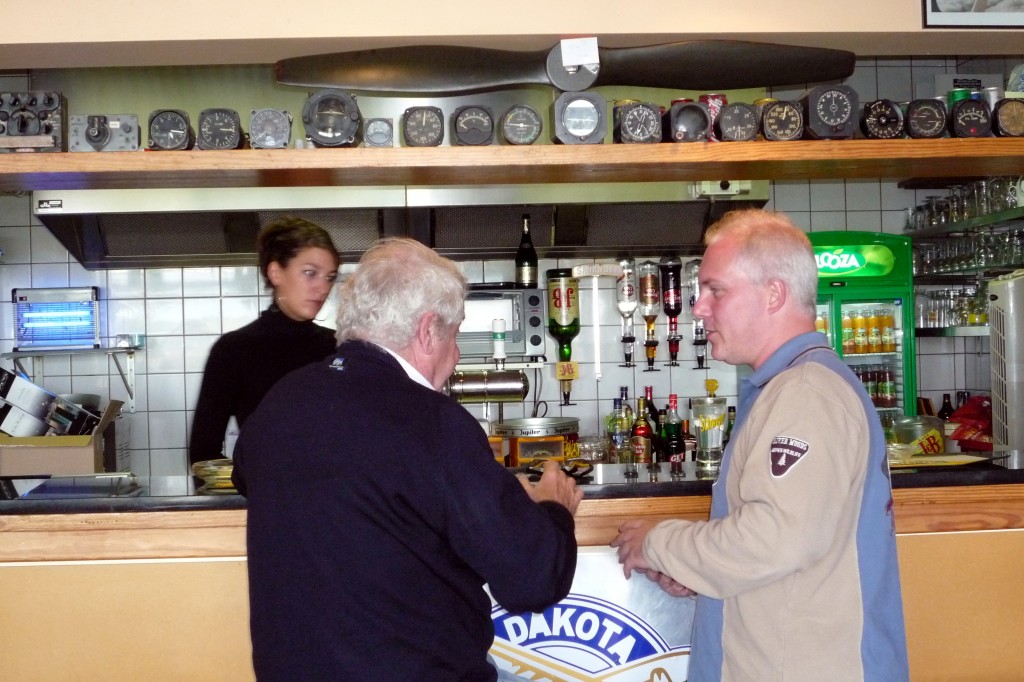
(992, 96)
(955, 95)
(488, 386)
(714, 101)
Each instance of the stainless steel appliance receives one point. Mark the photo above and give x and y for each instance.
(523, 312)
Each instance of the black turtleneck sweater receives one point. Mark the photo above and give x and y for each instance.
(242, 367)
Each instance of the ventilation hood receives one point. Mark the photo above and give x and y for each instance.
(164, 227)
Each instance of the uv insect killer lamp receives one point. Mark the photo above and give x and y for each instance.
(57, 318)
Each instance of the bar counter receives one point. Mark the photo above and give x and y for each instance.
(150, 582)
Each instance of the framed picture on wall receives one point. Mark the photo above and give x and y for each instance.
(973, 13)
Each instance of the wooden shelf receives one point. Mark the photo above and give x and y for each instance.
(503, 165)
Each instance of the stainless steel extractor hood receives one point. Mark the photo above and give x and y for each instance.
(130, 228)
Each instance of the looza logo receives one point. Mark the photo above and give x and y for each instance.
(838, 260)
(584, 638)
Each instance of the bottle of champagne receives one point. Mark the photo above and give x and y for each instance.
(946, 411)
(526, 259)
(641, 435)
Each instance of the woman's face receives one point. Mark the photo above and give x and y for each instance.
(302, 286)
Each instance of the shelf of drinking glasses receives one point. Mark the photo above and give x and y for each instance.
(997, 219)
(973, 330)
(968, 277)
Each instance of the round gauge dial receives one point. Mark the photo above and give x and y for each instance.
(219, 129)
(971, 118)
(269, 129)
(423, 126)
(580, 118)
(882, 120)
(331, 118)
(379, 132)
(782, 121)
(521, 124)
(639, 122)
(1008, 118)
(830, 112)
(736, 122)
(170, 130)
(926, 118)
(473, 125)
(689, 122)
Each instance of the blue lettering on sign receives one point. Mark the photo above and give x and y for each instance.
(582, 631)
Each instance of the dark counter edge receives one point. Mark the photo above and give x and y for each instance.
(983, 473)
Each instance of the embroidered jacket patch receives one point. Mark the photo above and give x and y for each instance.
(786, 452)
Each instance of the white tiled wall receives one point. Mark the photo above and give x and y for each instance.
(183, 310)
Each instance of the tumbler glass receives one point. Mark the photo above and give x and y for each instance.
(709, 429)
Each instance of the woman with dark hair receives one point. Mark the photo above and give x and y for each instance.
(300, 263)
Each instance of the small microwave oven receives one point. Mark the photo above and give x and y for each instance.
(524, 315)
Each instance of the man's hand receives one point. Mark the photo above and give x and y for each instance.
(553, 486)
(630, 545)
(668, 584)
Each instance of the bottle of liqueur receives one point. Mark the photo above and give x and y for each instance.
(627, 409)
(946, 411)
(650, 308)
(563, 321)
(526, 258)
(617, 429)
(730, 421)
(675, 452)
(671, 268)
(641, 435)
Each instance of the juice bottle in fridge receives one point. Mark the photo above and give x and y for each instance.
(888, 330)
(848, 347)
(860, 331)
(874, 323)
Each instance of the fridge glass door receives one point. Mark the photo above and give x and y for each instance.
(872, 344)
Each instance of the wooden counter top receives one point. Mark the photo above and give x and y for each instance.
(221, 533)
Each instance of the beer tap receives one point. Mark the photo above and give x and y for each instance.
(672, 302)
(626, 302)
(700, 339)
(650, 308)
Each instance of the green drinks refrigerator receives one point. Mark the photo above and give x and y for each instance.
(866, 308)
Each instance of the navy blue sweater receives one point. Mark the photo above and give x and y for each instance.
(376, 514)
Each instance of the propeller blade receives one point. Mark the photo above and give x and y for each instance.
(450, 70)
(437, 69)
(713, 65)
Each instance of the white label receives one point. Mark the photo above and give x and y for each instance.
(579, 51)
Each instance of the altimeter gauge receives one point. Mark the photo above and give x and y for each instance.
(269, 129)
(423, 126)
(219, 129)
(170, 130)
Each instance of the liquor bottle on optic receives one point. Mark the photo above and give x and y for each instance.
(671, 268)
(563, 317)
(650, 308)
(526, 258)
(626, 302)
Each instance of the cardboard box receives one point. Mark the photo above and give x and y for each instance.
(56, 455)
